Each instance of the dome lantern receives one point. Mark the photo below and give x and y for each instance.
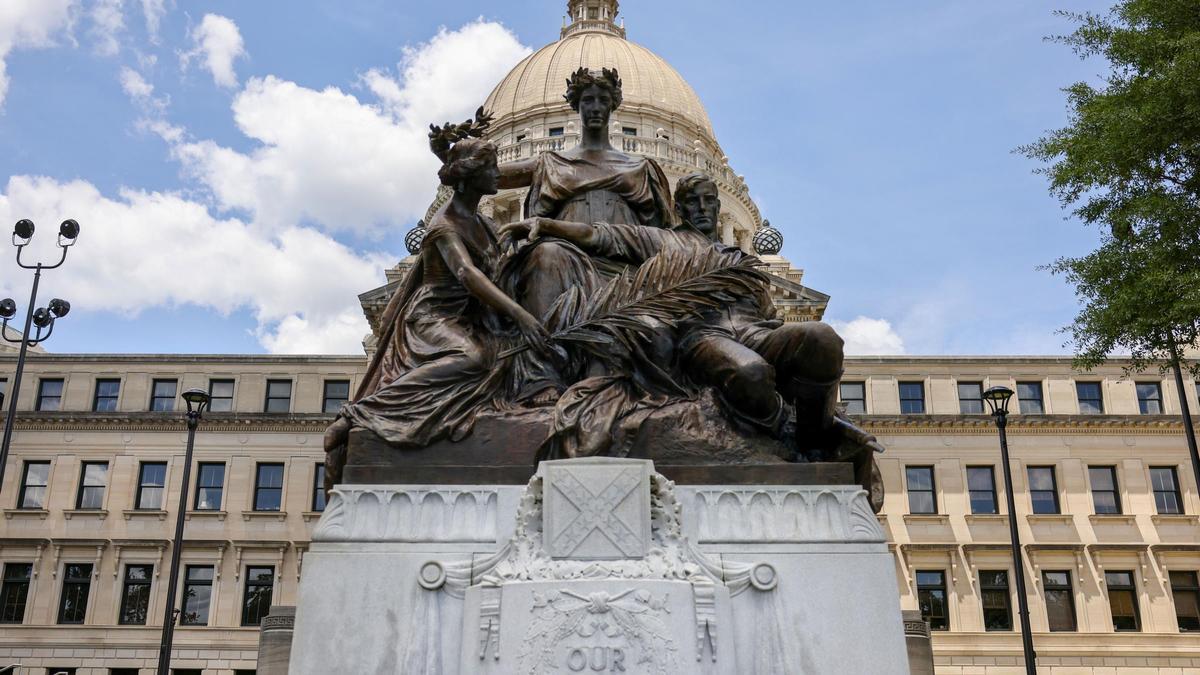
(593, 16)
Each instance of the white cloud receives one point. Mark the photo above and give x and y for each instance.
(329, 158)
(325, 159)
(135, 86)
(29, 24)
(218, 44)
(149, 249)
(865, 336)
(154, 10)
(108, 21)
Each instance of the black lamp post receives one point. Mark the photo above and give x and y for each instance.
(997, 400)
(42, 318)
(197, 402)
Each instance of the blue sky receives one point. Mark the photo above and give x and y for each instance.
(243, 169)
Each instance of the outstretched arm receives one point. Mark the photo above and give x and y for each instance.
(631, 243)
(517, 174)
(481, 287)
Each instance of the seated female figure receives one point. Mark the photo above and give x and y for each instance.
(437, 359)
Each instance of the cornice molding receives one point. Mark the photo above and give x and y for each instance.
(160, 422)
(1155, 425)
(877, 424)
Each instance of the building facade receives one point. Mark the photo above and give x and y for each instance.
(1106, 499)
(1107, 503)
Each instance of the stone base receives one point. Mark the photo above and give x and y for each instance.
(690, 442)
(731, 579)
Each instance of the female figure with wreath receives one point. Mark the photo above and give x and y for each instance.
(591, 183)
(437, 360)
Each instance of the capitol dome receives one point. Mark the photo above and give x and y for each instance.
(649, 82)
(660, 116)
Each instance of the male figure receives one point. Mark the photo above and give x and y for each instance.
(753, 360)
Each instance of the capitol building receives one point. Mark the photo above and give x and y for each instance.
(1106, 499)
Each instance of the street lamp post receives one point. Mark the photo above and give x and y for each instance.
(197, 402)
(997, 400)
(42, 318)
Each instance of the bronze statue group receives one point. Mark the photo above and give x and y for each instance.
(612, 297)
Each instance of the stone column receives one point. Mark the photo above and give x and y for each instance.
(920, 647)
(275, 641)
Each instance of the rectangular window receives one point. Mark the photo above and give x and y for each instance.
(629, 131)
(981, 483)
(268, 487)
(197, 596)
(1186, 590)
(279, 396)
(1091, 401)
(1105, 497)
(1122, 600)
(3, 389)
(997, 607)
(854, 396)
(1149, 398)
(15, 592)
(912, 398)
(135, 596)
(77, 584)
(1029, 398)
(1060, 601)
(210, 485)
(1043, 489)
(152, 478)
(33, 485)
(337, 393)
(318, 500)
(1166, 490)
(556, 131)
(107, 392)
(921, 496)
(93, 477)
(931, 597)
(162, 395)
(220, 394)
(260, 582)
(970, 398)
(49, 394)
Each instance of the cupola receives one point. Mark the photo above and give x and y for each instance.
(592, 16)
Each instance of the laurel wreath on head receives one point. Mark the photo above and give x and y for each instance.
(442, 138)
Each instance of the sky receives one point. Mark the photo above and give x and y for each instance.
(243, 170)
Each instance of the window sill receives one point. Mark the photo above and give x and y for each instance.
(1174, 519)
(9, 514)
(1064, 518)
(219, 515)
(99, 514)
(1109, 518)
(130, 514)
(939, 518)
(264, 515)
(312, 515)
(987, 517)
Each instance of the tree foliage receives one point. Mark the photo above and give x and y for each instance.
(1129, 163)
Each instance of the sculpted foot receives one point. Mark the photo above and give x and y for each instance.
(337, 434)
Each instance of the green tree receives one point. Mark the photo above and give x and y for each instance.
(1128, 163)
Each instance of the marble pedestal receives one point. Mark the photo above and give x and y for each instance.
(598, 565)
